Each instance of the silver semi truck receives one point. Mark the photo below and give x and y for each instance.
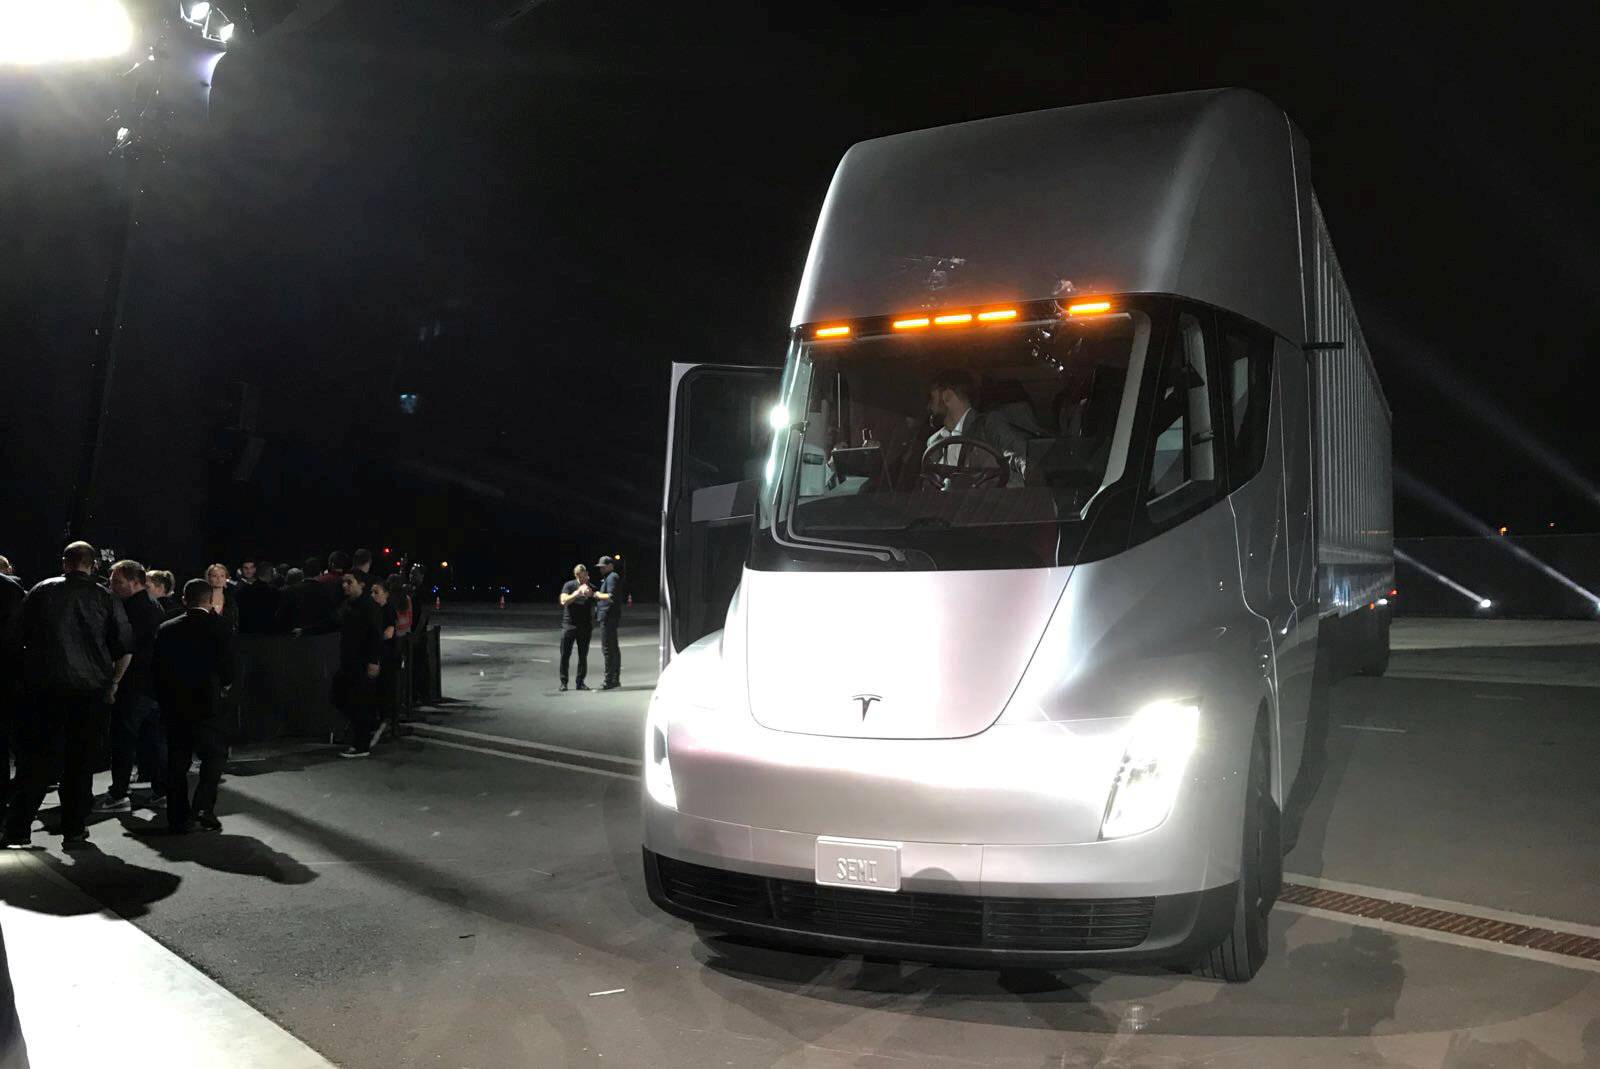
(997, 622)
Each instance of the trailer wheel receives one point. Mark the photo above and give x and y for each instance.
(1375, 660)
(1244, 949)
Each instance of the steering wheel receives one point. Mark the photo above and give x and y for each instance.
(939, 475)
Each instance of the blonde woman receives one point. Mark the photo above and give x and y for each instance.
(222, 602)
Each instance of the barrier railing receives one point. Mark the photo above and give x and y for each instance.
(285, 684)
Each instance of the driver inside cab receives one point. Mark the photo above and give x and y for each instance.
(952, 412)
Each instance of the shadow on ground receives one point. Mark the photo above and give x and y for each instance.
(224, 851)
(109, 882)
(315, 753)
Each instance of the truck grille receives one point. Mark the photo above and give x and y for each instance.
(975, 921)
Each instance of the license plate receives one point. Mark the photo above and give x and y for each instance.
(853, 863)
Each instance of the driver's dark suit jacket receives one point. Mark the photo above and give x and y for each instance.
(994, 429)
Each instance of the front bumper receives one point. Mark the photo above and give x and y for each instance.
(941, 927)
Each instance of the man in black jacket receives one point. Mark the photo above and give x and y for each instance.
(577, 623)
(194, 664)
(608, 615)
(301, 605)
(258, 600)
(136, 719)
(355, 685)
(76, 644)
(11, 594)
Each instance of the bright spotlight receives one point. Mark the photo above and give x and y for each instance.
(198, 12)
(225, 32)
(778, 417)
(1485, 604)
(1417, 488)
(1445, 580)
(32, 34)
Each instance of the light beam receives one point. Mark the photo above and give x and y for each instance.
(1414, 486)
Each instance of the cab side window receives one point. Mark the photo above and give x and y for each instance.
(1183, 463)
(1246, 358)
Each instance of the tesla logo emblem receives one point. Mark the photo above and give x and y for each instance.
(866, 701)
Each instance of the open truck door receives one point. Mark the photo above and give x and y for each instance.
(717, 431)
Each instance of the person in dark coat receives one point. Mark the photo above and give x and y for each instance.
(258, 601)
(577, 622)
(160, 584)
(11, 594)
(75, 646)
(136, 730)
(361, 568)
(299, 607)
(194, 664)
(608, 615)
(355, 684)
(224, 602)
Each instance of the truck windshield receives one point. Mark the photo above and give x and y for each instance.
(971, 448)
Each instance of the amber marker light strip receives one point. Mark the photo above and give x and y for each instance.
(953, 319)
(999, 315)
(832, 332)
(1089, 308)
(910, 324)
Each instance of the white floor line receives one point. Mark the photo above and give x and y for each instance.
(514, 639)
(1503, 949)
(569, 766)
(506, 740)
(132, 988)
(1444, 904)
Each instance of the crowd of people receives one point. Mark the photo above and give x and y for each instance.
(114, 656)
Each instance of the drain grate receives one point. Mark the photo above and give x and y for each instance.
(1439, 920)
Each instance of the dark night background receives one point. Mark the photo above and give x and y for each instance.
(524, 218)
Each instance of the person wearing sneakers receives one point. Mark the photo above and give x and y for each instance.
(355, 684)
(608, 614)
(136, 731)
(577, 623)
(75, 645)
(193, 666)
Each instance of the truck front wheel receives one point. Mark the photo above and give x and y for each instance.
(1243, 950)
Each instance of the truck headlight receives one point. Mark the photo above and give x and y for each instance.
(1159, 744)
(657, 766)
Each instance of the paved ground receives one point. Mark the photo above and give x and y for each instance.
(444, 906)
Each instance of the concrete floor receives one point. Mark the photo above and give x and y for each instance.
(446, 906)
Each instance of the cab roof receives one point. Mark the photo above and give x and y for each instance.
(1199, 194)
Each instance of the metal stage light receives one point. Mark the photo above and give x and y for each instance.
(212, 22)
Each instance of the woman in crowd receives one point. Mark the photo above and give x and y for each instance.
(223, 603)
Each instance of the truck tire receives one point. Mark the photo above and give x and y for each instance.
(1244, 949)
